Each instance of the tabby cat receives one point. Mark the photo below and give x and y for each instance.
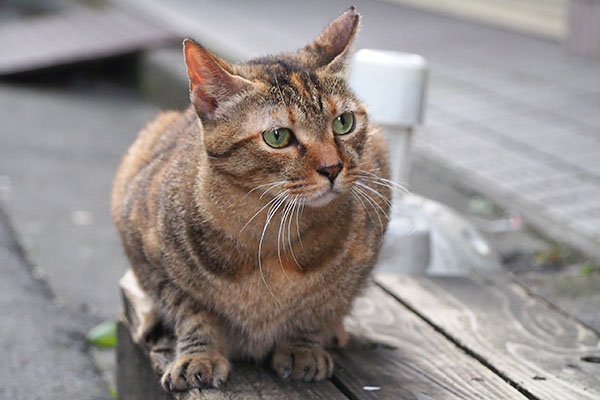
(253, 218)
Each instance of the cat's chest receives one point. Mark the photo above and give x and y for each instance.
(274, 282)
(275, 292)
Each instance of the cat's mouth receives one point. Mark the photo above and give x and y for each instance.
(322, 197)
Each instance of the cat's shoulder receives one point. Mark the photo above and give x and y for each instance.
(163, 121)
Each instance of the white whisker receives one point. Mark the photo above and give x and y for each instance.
(360, 193)
(364, 205)
(384, 180)
(284, 214)
(265, 206)
(385, 184)
(272, 210)
(373, 204)
(263, 194)
(376, 204)
(295, 202)
(385, 199)
(298, 213)
(267, 184)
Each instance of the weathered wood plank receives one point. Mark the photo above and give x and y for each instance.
(522, 338)
(135, 378)
(73, 36)
(398, 353)
(569, 290)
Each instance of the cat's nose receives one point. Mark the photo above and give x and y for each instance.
(330, 171)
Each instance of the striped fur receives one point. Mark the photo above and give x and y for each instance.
(188, 196)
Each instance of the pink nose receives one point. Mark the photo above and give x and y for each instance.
(330, 171)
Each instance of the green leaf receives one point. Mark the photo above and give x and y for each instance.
(587, 268)
(113, 392)
(103, 335)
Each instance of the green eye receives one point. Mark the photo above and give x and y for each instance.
(344, 123)
(278, 138)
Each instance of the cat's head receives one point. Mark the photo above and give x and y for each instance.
(286, 124)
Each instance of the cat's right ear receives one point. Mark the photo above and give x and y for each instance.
(330, 50)
(211, 79)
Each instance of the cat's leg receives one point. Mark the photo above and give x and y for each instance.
(144, 309)
(199, 360)
(338, 338)
(303, 357)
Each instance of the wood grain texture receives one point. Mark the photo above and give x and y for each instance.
(569, 290)
(405, 358)
(522, 338)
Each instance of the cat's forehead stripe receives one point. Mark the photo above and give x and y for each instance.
(300, 87)
(291, 115)
(332, 105)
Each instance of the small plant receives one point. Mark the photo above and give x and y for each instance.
(588, 268)
(103, 335)
(557, 254)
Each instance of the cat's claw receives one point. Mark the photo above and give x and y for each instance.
(306, 364)
(196, 371)
(339, 338)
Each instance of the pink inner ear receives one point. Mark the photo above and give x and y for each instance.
(207, 78)
(198, 63)
(211, 79)
(204, 103)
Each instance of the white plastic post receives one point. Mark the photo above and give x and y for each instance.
(423, 235)
(392, 84)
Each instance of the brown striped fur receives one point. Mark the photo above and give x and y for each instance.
(189, 185)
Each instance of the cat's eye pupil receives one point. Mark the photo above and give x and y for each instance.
(278, 138)
(344, 123)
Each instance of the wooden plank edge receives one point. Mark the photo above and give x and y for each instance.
(551, 303)
(379, 281)
(383, 329)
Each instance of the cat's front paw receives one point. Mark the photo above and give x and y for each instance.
(200, 370)
(307, 364)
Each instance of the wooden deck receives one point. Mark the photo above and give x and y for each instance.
(419, 338)
(76, 35)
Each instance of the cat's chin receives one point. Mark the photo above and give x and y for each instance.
(321, 199)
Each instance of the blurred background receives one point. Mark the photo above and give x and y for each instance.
(511, 140)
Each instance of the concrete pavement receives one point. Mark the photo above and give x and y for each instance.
(60, 150)
(42, 344)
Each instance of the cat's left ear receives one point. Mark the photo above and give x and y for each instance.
(211, 79)
(330, 49)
